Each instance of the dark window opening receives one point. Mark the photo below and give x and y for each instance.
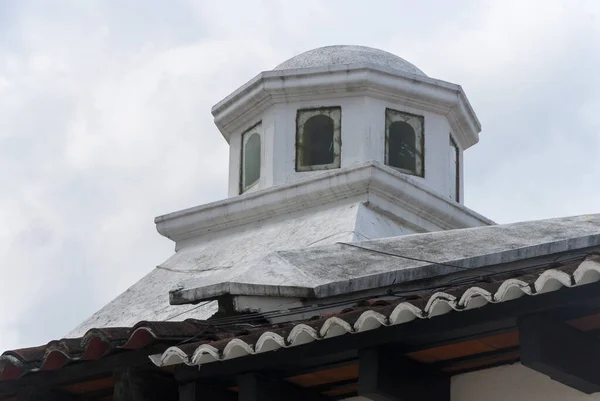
(454, 171)
(317, 141)
(404, 142)
(318, 138)
(402, 150)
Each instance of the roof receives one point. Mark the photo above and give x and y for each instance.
(376, 313)
(148, 299)
(196, 342)
(344, 268)
(225, 237)
(245, 263)
(102, 342)
(346, 55)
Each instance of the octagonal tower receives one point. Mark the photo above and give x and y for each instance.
(340, 106)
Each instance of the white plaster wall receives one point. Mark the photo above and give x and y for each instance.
(266, 156)
(512, 383)
(235, 152)
(437, 130)
(371, 224)
(148, 299)
(354, 148)
(363, 139)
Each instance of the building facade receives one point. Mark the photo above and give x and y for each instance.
(343, 265)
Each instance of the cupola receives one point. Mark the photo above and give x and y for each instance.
(330, 152)
(340, 106)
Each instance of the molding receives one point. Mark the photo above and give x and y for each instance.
(384, 187)
(272, 87)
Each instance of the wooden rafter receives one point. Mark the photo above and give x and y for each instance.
(255, 387)
(135, 384)
(196, 391)
(387, 375)
(567, 355)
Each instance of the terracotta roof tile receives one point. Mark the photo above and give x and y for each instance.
(195, 342)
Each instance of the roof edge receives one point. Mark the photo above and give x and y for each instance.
(328, 187)
(495, 262)
(362, 79)
(396, 314)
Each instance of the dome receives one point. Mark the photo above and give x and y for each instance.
(343, 55)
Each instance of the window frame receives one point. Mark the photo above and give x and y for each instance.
(454, 144)
(255, 129)
(302, 116)
(417, 123)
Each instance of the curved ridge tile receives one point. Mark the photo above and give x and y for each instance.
(512, 289)
(11, 368)
(369, 320)
(140, 337)
(55, 359)
(156, 359)
(302, 334)
(405, 312)
(334, 326)
(588, 271)
(95, 348)
(440, 303)
(205, 353)
(172, 356)
(236, 348)
(269, 341)
(551, 280)
(475, 297)
(7, 359)
(108, 335)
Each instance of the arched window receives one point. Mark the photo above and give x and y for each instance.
(318, 139)
(404, 142)
(317, 142)
(250, 158)
(402, 146)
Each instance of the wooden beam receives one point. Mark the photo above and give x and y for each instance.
(254, 387)
(481, 357)
(98, 394)
(387, 375)
(196, 391)
(567, 355)
(321, 388)
(135, 384)
(32, 394)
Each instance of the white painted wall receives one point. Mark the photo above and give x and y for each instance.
(512, 383)
(373, 224)
(363, 139)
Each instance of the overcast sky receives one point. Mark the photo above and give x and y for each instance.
(105, 121)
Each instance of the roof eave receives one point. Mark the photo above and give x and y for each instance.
(370, 177)
(244, 105)
(549, 241)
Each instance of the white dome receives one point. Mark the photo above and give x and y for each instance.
(342, 55)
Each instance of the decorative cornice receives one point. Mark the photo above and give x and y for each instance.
(336, 185)
(272, 87)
